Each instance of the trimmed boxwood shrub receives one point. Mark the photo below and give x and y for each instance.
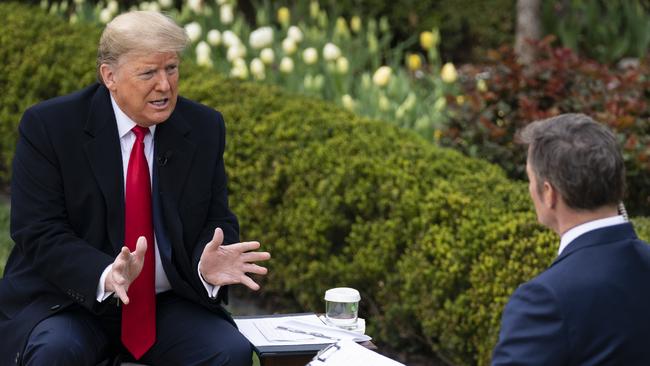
(435, 241)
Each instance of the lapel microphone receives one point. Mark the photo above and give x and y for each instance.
(162, 159)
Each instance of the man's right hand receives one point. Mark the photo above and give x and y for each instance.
(125, 270)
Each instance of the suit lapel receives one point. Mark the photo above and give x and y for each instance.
(174, 153)
(105, 157)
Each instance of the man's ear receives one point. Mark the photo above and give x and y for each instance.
(108, 76)
(550, 195)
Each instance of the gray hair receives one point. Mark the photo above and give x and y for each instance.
(577, 156)
(139, 32)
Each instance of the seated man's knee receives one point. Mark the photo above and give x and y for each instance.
(62, 342)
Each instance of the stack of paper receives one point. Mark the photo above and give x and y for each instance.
(294, 330)
(348, 353)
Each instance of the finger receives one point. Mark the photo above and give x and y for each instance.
(254, 268)
(121, 260)
(248, 282)
(217, 239)
(140, 249)
(255, 256)
(246, 246)
(120, 291)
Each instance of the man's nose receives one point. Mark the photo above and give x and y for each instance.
(162, 84)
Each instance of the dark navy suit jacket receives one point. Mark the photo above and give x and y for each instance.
(591, 307)
(67, 213)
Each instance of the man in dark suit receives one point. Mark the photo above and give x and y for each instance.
(591, 306)
(119, 213)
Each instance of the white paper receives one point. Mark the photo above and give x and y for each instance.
(248, 327)
(350, 353)
(317, 326)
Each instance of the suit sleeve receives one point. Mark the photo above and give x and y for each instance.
(532, 330)
(219, 214)
(39, 224)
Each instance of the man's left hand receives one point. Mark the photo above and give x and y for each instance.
(229, 264)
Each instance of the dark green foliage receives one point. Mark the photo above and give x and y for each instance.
(559, 81)
(600, 29)
(468, 27)
(435, 241)
(6, 244)
(41, 57)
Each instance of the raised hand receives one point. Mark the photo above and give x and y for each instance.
(125, 270)
(228, 264)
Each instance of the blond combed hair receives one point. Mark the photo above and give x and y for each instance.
(139, 32)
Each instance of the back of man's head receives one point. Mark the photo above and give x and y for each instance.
(579, 158)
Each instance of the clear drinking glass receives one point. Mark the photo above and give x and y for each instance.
(342, 307)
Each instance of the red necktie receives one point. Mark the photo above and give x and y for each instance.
(139, 316)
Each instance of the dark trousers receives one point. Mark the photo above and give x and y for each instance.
(186, 334)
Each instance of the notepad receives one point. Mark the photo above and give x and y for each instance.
(349, 353)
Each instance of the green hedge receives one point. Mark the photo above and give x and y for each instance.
(434, 240)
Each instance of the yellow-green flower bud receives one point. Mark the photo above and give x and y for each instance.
(481, 85)
(429, 40)
(355, 24)
(448, 73)
(284, 16)
(414, 62)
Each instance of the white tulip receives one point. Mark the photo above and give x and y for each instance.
(230, 38)
(347, 102)
(165, 3)
(153, 6)
(342, 65)
(195, 5)
(203, 53)
(113, 6)
(261, 37)
(331, 52)
(235, 52)
(226, 14)
(286, 65)
(239, 70)
(267, 56)
(295, 33)
(257, 68)
(448, 74)
(79, 2)
(214, 37)
(289, 46)
(193, 31)
(382, 76)
(105, 16)
(310, 56)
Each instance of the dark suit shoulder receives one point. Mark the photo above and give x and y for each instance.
(199, 115)
(64, 103)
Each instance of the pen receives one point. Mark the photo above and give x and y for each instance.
(315, 334)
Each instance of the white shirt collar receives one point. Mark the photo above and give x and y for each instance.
(124, 123)
(576, 231)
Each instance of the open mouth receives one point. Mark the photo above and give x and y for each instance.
(160, 103)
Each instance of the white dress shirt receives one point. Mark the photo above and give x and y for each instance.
(127, 138)
(576, 231)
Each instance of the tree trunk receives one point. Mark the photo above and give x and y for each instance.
(529, 28)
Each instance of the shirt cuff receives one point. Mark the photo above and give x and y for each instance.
(101, 293)
(212, 290)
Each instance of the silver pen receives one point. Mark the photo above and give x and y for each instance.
(315, 334)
